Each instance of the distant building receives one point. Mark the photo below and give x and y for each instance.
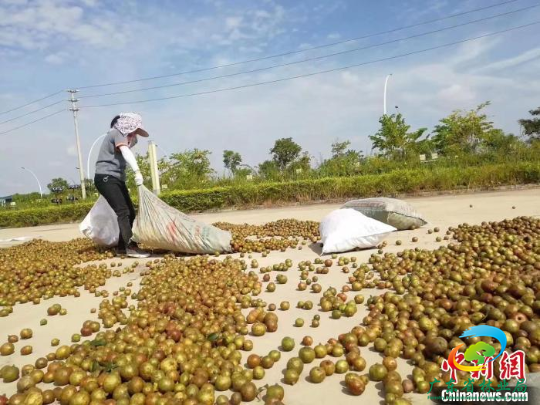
(6, 201)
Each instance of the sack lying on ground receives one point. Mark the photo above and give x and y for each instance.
(391, 211)
(346, 229)
(101, 224)
(160, 226)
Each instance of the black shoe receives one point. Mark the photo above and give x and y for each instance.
(120, 251)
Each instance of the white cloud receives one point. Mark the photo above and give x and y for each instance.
(513, 61)
(350, 78)
(471, 51)
(71, 150)
(333, 36)
(457, 93)
(15, 2)
(233, 22)
(57, 58)
(90, 3)
(39, 25)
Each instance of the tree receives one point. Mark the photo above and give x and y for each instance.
(303, 163)
(269, 170)
(497, 141)
(339, 148)
(231, 160)
(242, 172)
(343, 162)
(463, 131)
(531, 127)
(284, 152)
(58, 183)
(394, 139)
(189, 168)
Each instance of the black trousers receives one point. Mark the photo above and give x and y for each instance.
(117, 195)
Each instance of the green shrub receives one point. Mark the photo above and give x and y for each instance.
(43, 216)
(402, 181)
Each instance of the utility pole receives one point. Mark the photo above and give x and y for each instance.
(385, 88)
(75, 109)
(154, 172)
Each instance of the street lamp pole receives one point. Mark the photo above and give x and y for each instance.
(385, 88)
(33, 174)
(90, 154)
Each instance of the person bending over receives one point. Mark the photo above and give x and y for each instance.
(110, 177)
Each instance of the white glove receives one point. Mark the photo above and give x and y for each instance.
(138, 179)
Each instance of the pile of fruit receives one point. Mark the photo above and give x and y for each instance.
(40, 270)
(277, 235)
(185, 340)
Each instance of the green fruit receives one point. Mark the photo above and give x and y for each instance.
(275, 355)
(296, 364)
(258, 373)
(7, 349)
(275, 392)
(267, 362)
(377, 372)
(358, 299)
(317, 375)
(320, 351)
(307, 354)
(287, 344)
(9, 374)
(223, 383)
(342, 366)
(299, 322)
(291, 376)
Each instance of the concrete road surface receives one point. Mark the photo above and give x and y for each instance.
(440, 211)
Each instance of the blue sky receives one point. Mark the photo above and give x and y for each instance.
(48, 45)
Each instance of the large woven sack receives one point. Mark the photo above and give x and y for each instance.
(101, 224)
(397, 213)
(346, 229)
(160, 226)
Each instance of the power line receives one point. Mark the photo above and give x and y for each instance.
(31, 112)
(313, 58)
(31, 102)
(318, 72)
(32, 122)
(301, 50)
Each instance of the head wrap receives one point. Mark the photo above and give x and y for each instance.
(128, 123)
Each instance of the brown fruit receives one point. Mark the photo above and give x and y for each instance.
(355, 386)
(253, 361)
(26, 350)
(248, 392)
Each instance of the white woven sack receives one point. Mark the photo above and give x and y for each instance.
(101, 224)
(391, 211)
(347, 229)
(160, 226)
